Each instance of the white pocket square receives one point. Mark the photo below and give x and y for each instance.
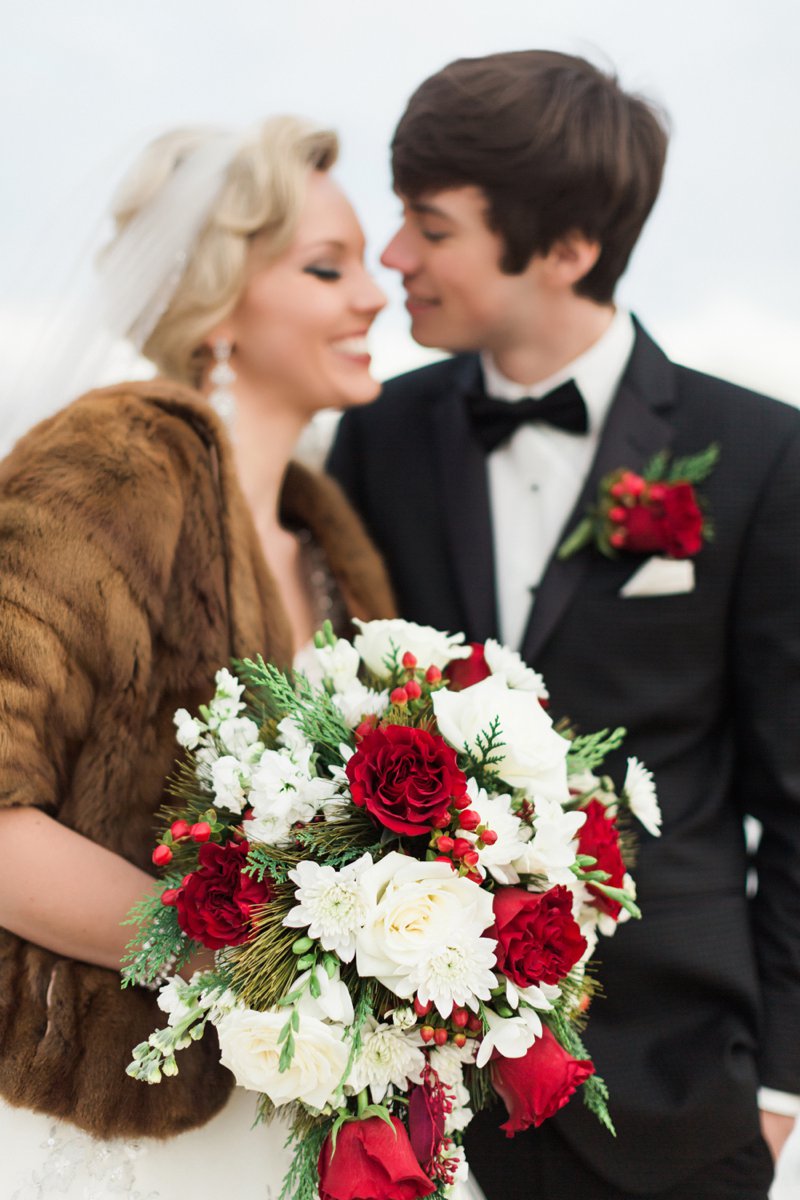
(661, 577)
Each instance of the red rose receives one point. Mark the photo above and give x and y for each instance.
(600, 838)
(538, 939)
(537, 1085)
(666, 519)
(463, 672)
(371, 1162)
(214, 902)
(405, 777)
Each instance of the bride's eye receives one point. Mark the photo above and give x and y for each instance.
(329, 274)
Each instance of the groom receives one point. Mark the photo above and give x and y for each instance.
(526, 179)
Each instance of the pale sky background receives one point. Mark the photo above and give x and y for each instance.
(84, 83)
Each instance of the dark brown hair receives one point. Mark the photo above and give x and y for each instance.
(555, 144)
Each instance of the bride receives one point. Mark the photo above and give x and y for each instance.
(146, 539)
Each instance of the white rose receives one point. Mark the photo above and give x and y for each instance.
(423, 932)
(533, 756)
(379, 641)
(250, 1049)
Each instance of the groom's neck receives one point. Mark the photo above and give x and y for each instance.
(551, 339)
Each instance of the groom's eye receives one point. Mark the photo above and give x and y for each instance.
(430, 236)
(329, 274)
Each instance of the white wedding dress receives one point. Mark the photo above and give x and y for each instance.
(45, 1159)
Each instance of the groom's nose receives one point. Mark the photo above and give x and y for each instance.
(399, 254)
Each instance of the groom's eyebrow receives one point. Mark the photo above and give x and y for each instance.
(428, 210)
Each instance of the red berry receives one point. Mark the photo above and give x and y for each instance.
(460, 1017)
(399, 696)
(366, 726)
(474, 1023)
(442, 822)
(617, 514)
(413, 690)
(469, 819)
(433, 675)
(247, 815)
(440, 1036)
(201, 831)
(162, 855)
(421, 1009)
(471, 858)
(462, 802)
(443, 858)
(488, 837)
(459, 1039)
(445, 844)
(618, 490)
(475, 876)
(657, 492)
(169, 896)
(634, 484)
(409, 660)
(426, 1033)
(179, 829)
(618, 538)
(461, 847)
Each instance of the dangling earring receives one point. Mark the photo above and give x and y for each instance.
(222, 375)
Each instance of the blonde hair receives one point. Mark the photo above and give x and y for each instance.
(262, 193)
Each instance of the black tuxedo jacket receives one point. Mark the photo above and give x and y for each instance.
(702, 998)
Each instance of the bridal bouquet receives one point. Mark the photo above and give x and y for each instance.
(402, 867)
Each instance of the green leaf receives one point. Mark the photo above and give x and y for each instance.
(581, 536)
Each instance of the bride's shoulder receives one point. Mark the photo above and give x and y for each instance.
(135, 424)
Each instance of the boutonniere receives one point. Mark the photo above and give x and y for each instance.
(657, 512)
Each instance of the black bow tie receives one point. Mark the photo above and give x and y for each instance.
(495, 420)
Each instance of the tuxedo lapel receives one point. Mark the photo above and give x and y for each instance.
(464, 503)
(636, 429)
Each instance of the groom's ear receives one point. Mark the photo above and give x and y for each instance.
(570, 258)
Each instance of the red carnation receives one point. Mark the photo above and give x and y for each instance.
(371, 1161)
(406, 778)
(463, 672)
(600, 838)
(537, 1085)
(215, 901)
(665, 519)
(538, 939)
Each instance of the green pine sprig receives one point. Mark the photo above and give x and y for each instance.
(159, 938)
(300, 1181)
(589, 750)
(594, 1090)
(311, 708)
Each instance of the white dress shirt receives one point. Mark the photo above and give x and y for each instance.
(536, 476)
(535, 479)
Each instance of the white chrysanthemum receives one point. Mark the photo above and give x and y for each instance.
(640, 792)
(189, 729)
(495, 812)
(331, 904)
(532, 755)
(510, 1037)
(388, 1056)
(552, 849)
(358, 701)
(230, 780)
(455, 974)
(378, 641)
(239, 736)
(503, 660)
